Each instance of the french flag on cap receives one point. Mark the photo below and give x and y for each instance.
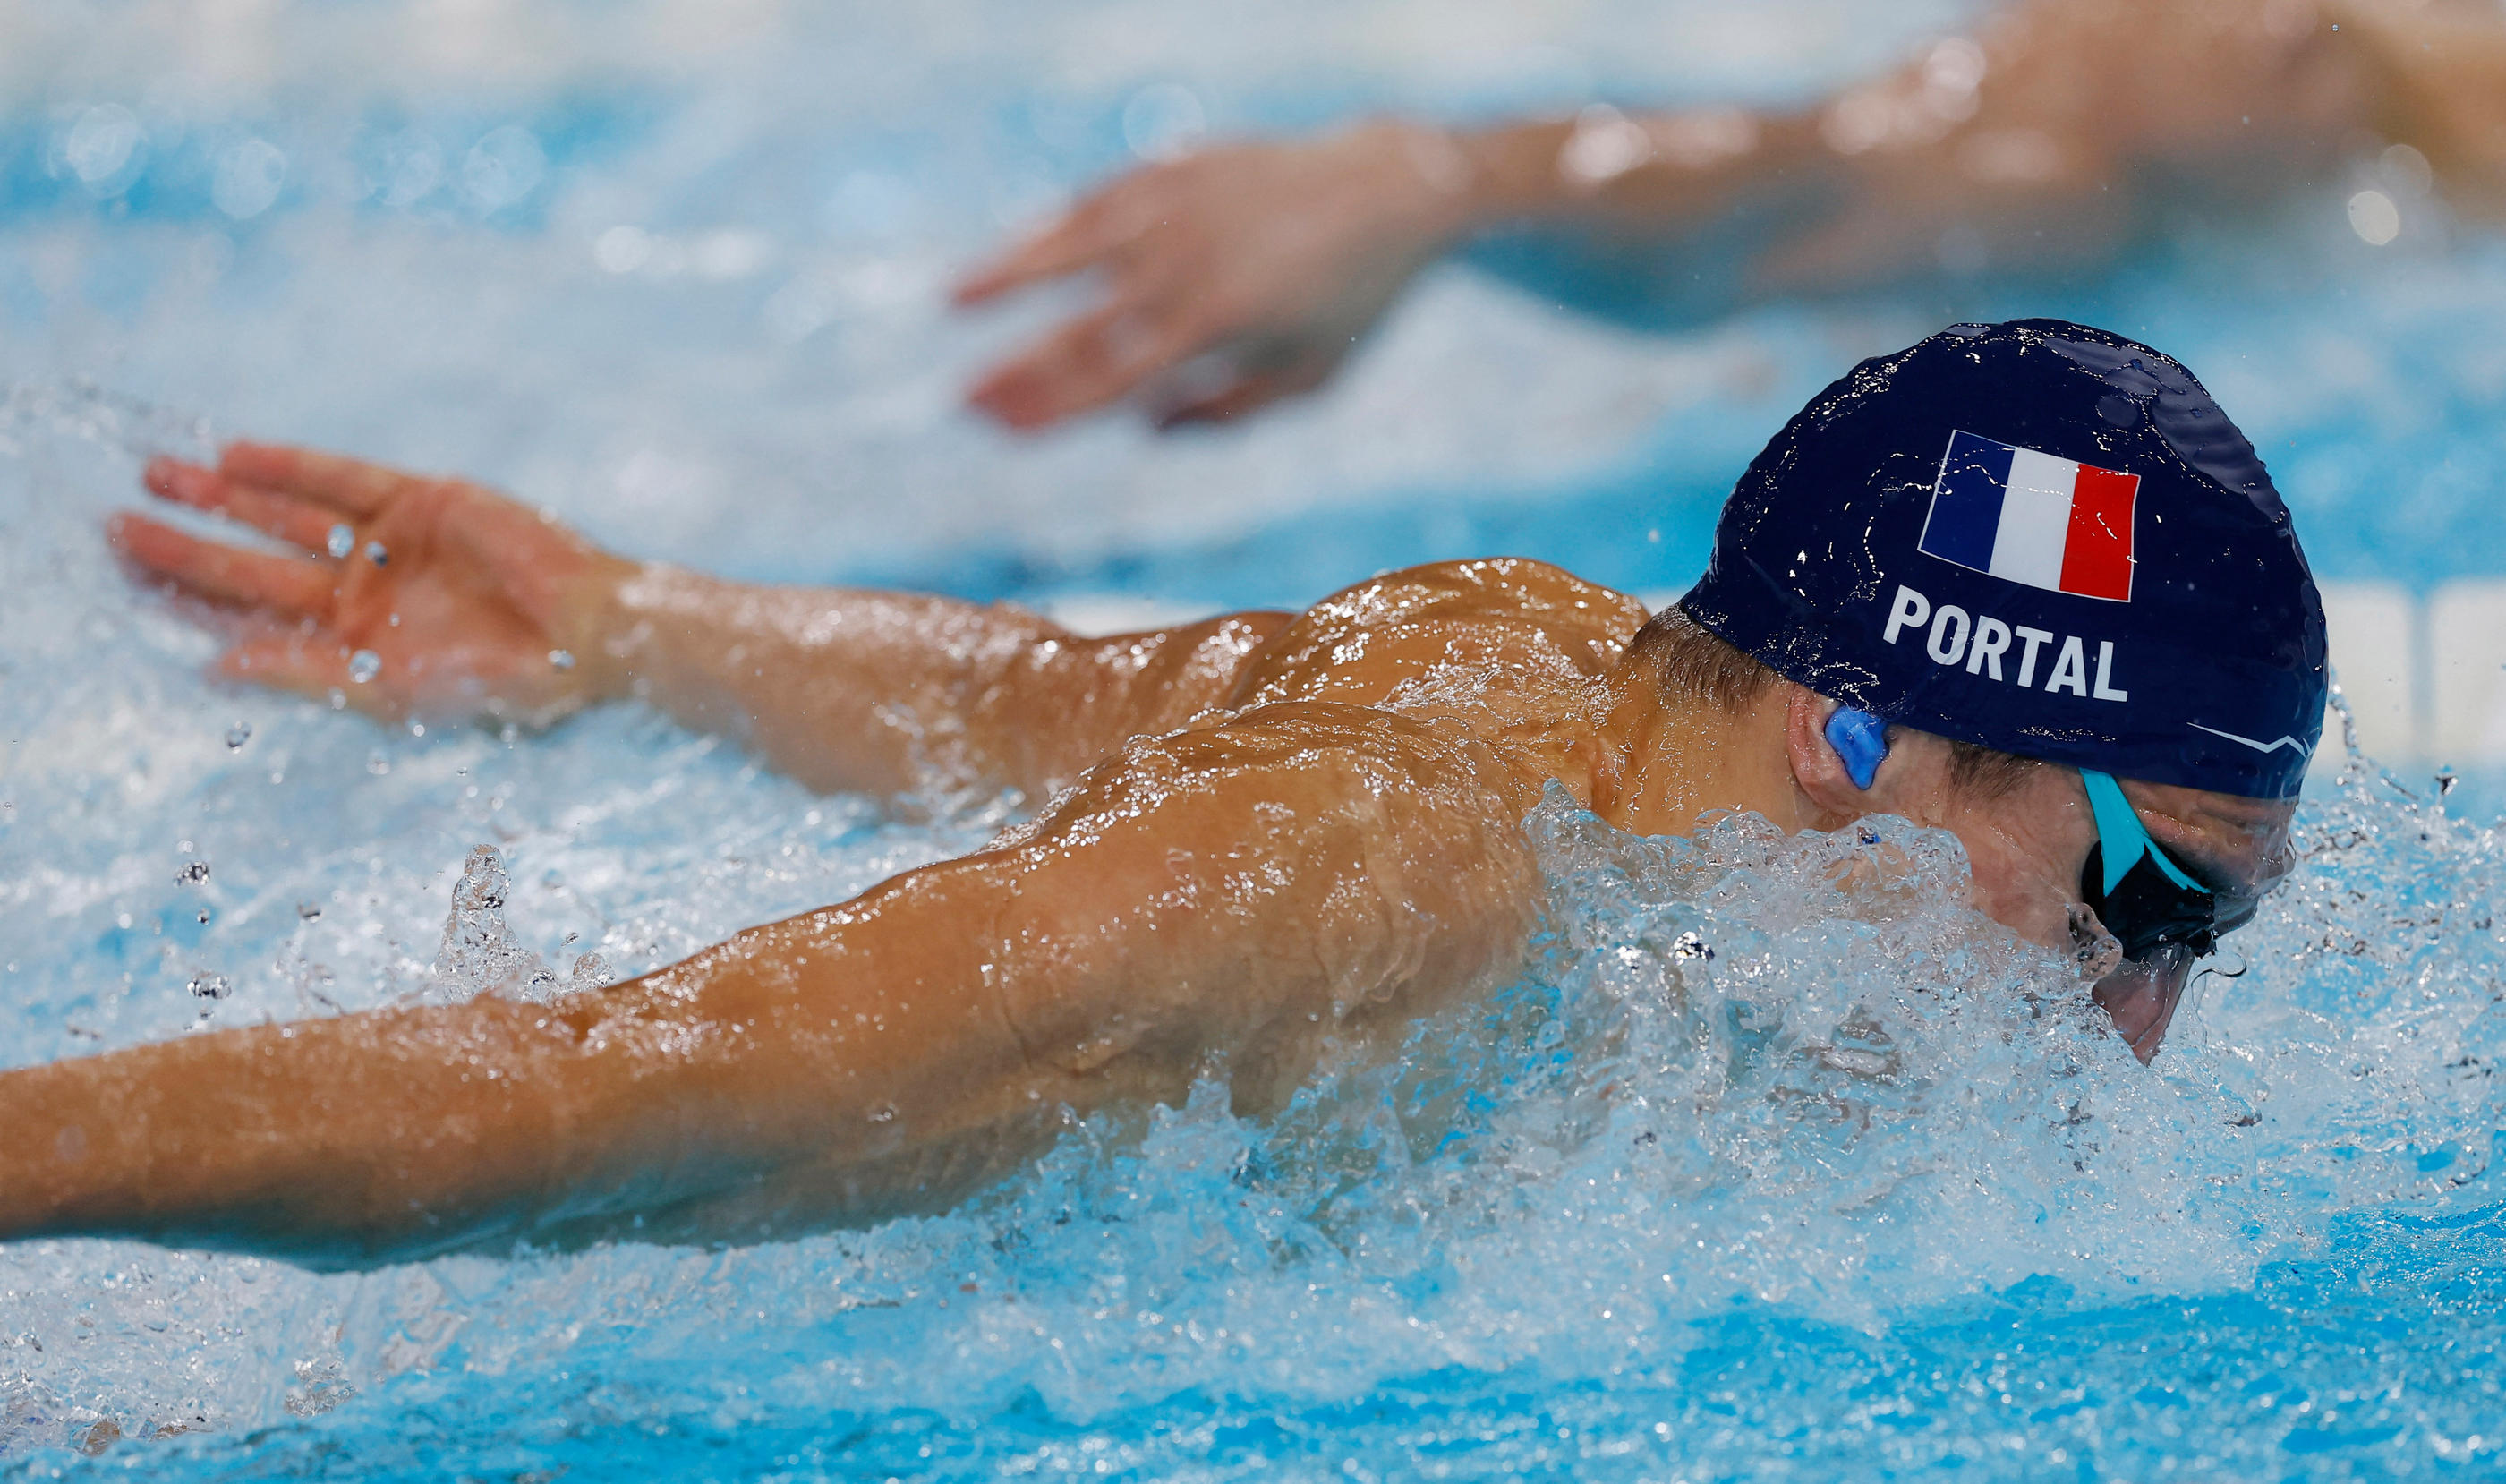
(2032, 518)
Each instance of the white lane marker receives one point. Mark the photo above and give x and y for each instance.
(2467, 677)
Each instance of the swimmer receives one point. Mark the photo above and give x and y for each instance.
(2053, 137)
(2024, 583)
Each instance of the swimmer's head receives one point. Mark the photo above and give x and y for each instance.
(2044, 541)
(2039, 538)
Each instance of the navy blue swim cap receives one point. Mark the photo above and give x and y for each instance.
(2039, 538)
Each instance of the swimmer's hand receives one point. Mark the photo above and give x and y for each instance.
(410, 596)
(1235, 276)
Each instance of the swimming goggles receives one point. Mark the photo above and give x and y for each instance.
(2144, 897)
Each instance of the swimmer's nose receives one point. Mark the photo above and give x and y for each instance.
(2141, 997)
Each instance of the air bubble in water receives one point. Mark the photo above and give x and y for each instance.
(342, 540)
(364, 665)
(237, 735)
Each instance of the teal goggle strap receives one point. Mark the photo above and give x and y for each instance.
(2125, 838)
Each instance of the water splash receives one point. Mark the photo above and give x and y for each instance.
(479, 954)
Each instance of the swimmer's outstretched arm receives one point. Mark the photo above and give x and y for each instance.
(2042, 139)
(419, 597)
(1244, 890)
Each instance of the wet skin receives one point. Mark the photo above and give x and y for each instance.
(1266, 835)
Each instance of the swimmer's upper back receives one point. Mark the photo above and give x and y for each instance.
(1501, 619)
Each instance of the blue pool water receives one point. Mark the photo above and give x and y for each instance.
(1863, 1194)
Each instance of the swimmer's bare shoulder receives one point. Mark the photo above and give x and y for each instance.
(1364, 643)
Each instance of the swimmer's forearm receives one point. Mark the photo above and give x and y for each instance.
(2052, 113)
(841, 689)
(341, 1140)
(686, 1095)
(1640, 173)
(895, 692)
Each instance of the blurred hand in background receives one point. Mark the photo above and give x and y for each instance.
(1248, 273)
(1252, 268)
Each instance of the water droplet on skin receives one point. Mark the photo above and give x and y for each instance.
(885, 1113)
(364, 665)
(375, 553)
(237, 735)
(342, 541)
(562, 659)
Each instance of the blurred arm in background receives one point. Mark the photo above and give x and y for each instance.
(1246, 272)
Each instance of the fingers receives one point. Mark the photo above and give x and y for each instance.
(346, 484)
(1079, 239)
(307, 665)
(1086, 364)
(1056, 251)
(223, 573)
(290, 519)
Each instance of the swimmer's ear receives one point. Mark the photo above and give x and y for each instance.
(1835, 754)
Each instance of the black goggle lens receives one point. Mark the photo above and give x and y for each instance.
(2146, 911)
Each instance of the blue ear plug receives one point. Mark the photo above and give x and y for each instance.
(1861, 742)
